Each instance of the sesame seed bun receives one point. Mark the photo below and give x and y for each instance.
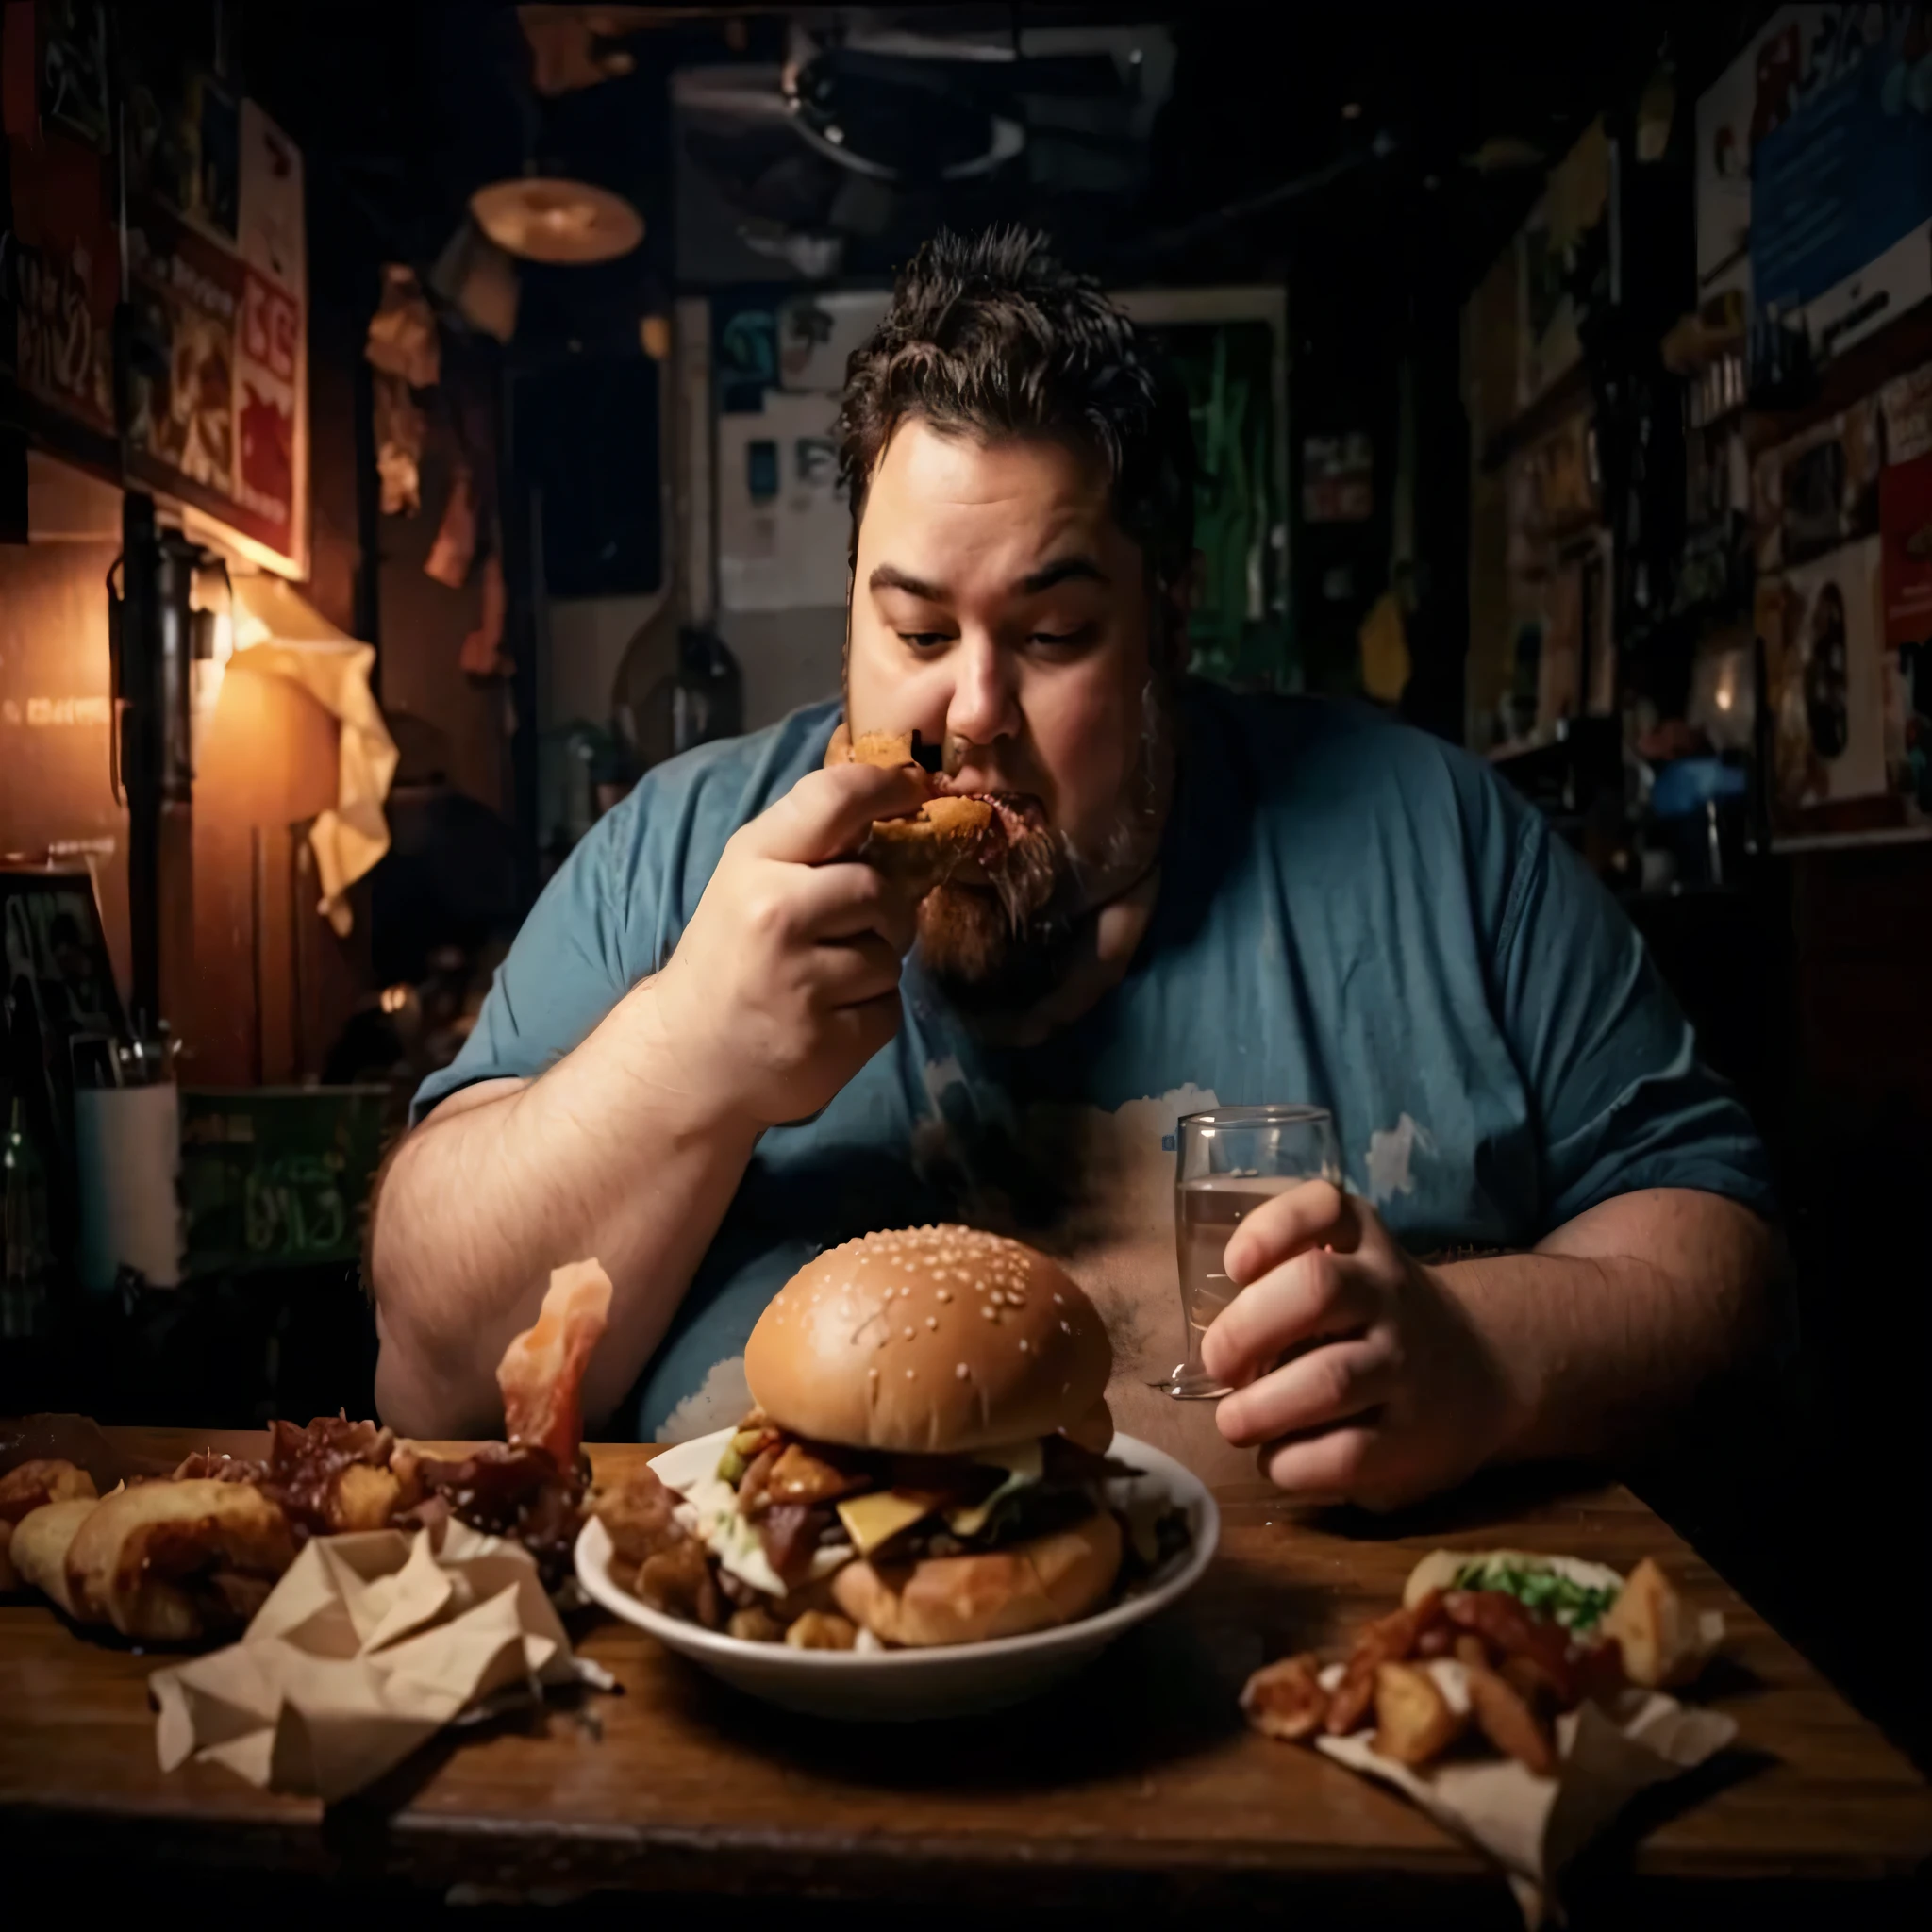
(929, 1341)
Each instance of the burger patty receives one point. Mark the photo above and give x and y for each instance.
(788, 1487)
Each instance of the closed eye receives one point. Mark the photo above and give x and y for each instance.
(1078, 635)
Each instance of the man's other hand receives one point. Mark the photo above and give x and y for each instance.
(787, 980)
(1355, 1369)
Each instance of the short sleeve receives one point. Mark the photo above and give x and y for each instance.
(1610, 1062)
(618, 906)
(564, 972)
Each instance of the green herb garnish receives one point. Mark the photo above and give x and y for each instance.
(1575, 1606)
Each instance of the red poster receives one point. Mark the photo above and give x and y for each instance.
(67, 277)
(217, 409)
(268, 367)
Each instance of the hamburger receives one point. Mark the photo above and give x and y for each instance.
(924, 1466)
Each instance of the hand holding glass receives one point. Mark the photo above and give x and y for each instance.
(1227, 1163)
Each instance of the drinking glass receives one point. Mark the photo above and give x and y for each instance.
(1228, 1162)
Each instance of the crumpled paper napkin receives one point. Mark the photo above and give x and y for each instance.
(367, 1647)
(1531, 1825)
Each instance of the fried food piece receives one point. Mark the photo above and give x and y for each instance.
(365, 1498)
(753, 1491)
(925, 851)
(542, 1372)
(1506, 1718)
(641, 1516)
(31, 1486)
(678, 1581)
(1510, 1630)
(1469, 1648)
(40, 1541)
(887, 748)
(1415, 1720)
(755, 1626)
(1387, 1640)
(802, 1476)
(819, 1630)
(1285, 1699)
(157, 1561)
(1663, 1644)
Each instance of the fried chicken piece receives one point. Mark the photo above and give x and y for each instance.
(1285, 1699)
(1511, 1630)
(821, 1630)
(159, 1561)
(639, 1515)
(1386, 1640)
(678, 1581)
(1506, 1718)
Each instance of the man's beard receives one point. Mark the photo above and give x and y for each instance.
(999, 947)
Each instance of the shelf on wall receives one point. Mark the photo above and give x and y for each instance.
(1844, 842)
(1564, 397)
(1902, 343)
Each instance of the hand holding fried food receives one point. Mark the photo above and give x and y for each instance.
(923, 850)
(1493, 1648)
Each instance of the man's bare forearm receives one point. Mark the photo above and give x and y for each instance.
(608, 1154)
(1619, 1316)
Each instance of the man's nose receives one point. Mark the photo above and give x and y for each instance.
(985, 704)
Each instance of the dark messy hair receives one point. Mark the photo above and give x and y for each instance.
(993, 336)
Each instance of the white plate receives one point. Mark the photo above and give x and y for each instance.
(946, 1681)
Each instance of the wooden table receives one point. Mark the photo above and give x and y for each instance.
(1135, 1787)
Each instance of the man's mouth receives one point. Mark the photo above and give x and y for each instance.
(1015, 858)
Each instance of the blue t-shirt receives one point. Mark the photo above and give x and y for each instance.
(1350, 914)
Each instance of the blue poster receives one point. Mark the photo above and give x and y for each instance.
(1847, 170)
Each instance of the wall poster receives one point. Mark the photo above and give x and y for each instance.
(220, 407)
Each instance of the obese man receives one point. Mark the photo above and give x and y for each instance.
(721, 1044)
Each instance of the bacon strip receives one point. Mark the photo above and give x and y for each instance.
(542, 1372)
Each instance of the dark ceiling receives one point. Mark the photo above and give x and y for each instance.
(1341, 138)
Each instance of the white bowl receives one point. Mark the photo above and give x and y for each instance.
(952, 1680)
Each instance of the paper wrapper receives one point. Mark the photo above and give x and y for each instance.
(366, 1648)
(1531, 1825)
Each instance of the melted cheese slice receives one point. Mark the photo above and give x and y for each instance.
(873, 1519)
(876, 1519)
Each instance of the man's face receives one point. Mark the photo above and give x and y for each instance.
(999, 609)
